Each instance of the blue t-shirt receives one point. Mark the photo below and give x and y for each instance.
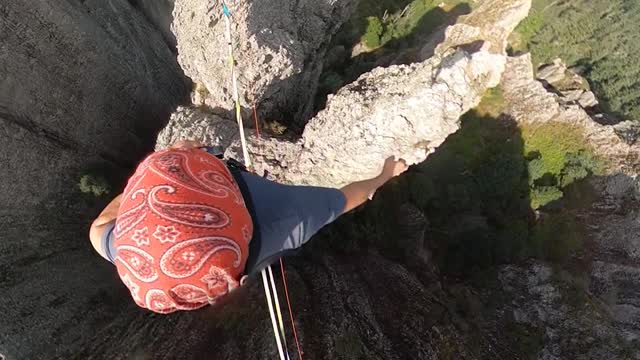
(285, 217)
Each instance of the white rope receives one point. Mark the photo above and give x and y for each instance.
(247, 162)
(273, 316)
(278, 312)
(234, 81)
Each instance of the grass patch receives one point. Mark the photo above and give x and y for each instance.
(557, 156)
(492, 104)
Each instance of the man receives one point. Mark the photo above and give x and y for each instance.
(187, 227)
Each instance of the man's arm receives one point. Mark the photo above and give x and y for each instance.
(109, 214)
(357, 193)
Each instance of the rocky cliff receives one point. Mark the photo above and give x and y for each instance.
(357, 293)
(84, 88)
(405, 110)
(279, 46)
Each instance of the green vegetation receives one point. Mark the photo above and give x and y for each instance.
(557, 156)
(600, 39)
(479, 191)
(389, 29)
(94, 184)
(374, 30)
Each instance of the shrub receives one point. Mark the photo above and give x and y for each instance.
(371, 37)
(557, 155)
(543, 195)
(94, 184)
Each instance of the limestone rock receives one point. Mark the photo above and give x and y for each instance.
(551, 308)
(587, 99)
(492, 22)
(628, 131)
(553, 73)
(84, 87)
(615, 250)
(529, 101)
(405, 110)
(572, 88)
(612, 247)
(279, 46)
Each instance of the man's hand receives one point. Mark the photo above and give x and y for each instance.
(358, 192)
(393, 168)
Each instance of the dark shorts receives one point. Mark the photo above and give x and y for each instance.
(285, 217)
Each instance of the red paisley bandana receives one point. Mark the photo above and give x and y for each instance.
(182, 232)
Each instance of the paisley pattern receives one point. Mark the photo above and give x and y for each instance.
(186, 214)
(189, 296)
(133, 287)
(139, 263)
(186, 258)
(218, 281)
(174, 166)
(156, 300)
(129, 219)
(182, 231)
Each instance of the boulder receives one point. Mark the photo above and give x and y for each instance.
(279, 47)
(552, 73)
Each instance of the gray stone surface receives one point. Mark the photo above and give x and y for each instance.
(405, 110)
(160, 14)
(84, 86)
(529, 102)
(70, 98)
(279, 48)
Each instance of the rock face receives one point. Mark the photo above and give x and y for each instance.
(279, 46)
(84, 86)
(159, 13)
(610, 282)
(491, 22)
(406, 110)
(573, 88)
(530, 102)
(60, 300)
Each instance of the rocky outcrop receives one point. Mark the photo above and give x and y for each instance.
(572, 88)
(405, 110)
(492, 22)
(384, 300)
(611, 260)
(84, 87)
(279, 47)
(529, 102)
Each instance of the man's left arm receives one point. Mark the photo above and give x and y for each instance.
(99, 225)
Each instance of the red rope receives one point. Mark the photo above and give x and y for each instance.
(293, 324)
(255, 118)
(284, 278)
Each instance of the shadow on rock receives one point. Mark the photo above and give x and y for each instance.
(344, 66)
